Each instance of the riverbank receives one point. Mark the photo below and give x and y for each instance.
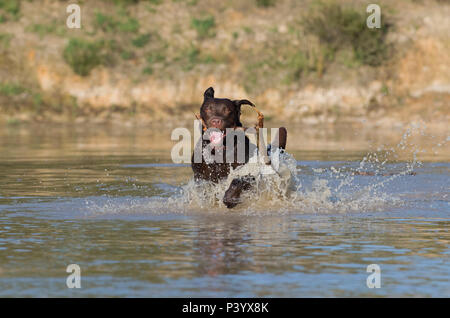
(147, 61)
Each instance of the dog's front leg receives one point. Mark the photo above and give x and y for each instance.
(233, 195)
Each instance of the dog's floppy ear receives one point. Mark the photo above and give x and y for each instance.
(209, 93)
(238, 103)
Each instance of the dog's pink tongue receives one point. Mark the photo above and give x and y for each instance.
(216, 137)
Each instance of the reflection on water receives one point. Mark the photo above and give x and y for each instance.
(102, 198)
(227, 256)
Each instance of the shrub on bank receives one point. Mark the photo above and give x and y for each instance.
(204, 26)
(265, 3)
(337, 26)
(10, 6)
(83, 56)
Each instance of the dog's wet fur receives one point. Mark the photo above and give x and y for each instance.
(223, 113)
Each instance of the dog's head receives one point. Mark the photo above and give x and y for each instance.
(221, 113)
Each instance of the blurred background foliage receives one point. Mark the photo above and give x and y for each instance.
(259, 45)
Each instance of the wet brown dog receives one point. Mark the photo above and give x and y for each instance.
(230, 148)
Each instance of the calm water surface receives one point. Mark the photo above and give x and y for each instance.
(110, 200)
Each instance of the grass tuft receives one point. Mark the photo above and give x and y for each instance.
(265, 3)
(45, 29)
(337, 27)
(204, 26)
(11, 89)
(83, 56)
(142, 40)
(5, 39)
(10, 6)
(108, 23)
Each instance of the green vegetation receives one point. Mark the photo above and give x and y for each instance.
(204, 27)
(155, 57)
(108, 23)
(10, 6)
(38, 101)
(142, 40)
(13, 121)
(45, 29)
(83, 56)
(129, 2)
(41, 29)
(256, 50)
(127, 55)
(129, 25)
(195, 57)
(5, 39)
(186, 59)
(148, 70)
(105, 22)
(337, 27)
(248, 30)
(343, 38)
(125, 2)
(285, 64)
(265, 3)
(192, 2)
(370, 47)
(11, 89)
(298, 64)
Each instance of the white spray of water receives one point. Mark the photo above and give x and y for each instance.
(284, 192)
(328, 190)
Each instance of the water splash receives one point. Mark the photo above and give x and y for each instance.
(364, 186)
(330, 190)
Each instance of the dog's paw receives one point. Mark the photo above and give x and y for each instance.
(232, 195)
(230, 204)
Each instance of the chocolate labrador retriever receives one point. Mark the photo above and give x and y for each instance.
(224, 147)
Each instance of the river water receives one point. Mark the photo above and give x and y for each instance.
(111, 200)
